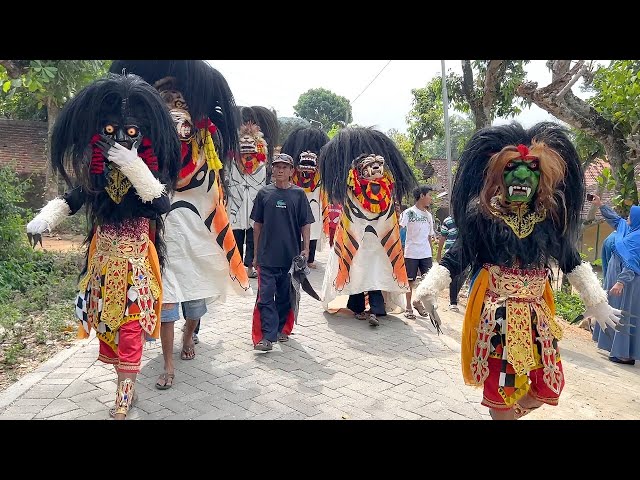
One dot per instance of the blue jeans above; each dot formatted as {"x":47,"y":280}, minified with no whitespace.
{"x":191,"y":309}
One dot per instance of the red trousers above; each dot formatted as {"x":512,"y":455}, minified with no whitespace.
{"x":129,"y":351}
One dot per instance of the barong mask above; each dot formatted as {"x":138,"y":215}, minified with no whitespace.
{"x":367,"y":164}
{"x":121,"y":121}
{"x":370,"y":167}
{"x":178,"y":108}
{"x":127,"y":135}
{"x":521,"y":176}
{"x":253,"y":148}
{"x":304,"y":145}
{"x":371,"y":185}
{"x":308,"y":164}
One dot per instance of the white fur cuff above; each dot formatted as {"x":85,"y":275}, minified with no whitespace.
{"x":436,"y":279}
{"x":147,"y":186}
{"x":54,"y":212}
{"x":586,"y":282}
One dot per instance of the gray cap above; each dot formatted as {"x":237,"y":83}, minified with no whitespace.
{"x":282,"y":158}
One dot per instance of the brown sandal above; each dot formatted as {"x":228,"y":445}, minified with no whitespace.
{"x":168,"y":381}
{"x":409,"y":314}
{"x":188,"y":353}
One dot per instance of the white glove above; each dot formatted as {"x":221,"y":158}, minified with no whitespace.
{"x":604,"y":314}
{"x":37,"y":226}
{"x":116,"y":153}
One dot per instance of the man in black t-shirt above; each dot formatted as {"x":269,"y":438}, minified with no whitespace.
{"x":281,"y":214}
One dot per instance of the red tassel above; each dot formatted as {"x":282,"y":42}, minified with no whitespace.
{"x":185,"y":150}
{"x":147,"y":154}
{"x":97,"y":157}
{"x":187,"y":169}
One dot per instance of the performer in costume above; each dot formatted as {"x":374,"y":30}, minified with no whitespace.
{"x":245,"y":176}
{"x":118,"y":135}
{"x":303,"y":144}
{"x":363,"y":170}
{"x":517,"y":199}
{"x":203,"y":261}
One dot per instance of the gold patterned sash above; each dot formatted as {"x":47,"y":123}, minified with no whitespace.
{"x":121,"y":251}
{"x":521,"y":292}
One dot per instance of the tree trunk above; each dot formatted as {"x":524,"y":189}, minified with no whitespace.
{"x":563,"y":104}
{"x":475,"y":104}
{"x":482,"y":105}
{"x":51,"y":178}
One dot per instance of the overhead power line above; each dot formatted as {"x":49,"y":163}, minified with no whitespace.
{"x":365,"y":88}
{"x":374,"y":79}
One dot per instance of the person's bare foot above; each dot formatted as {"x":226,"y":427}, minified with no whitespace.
{"x":165,"y":381}
{"x":188,"y":348}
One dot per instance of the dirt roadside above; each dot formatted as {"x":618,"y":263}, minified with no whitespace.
{"x":595,"y":388}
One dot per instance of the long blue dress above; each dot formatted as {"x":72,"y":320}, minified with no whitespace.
{"x":616,"y":343}
{"x":607,"y":251}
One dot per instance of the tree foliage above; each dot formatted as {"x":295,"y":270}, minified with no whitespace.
{"x":426,"y":118}
{"x":487,"y":89}
{"x":37,"y":89}
{"x":286,"y":126}
{"x":405,"y":145}
{"x":610,"y":116}
{"x":48,"y":83}
{"x":588,"y":147}
{"x":322,"y":105}
{"x":460,"y":131}
{"x":618,"y":92}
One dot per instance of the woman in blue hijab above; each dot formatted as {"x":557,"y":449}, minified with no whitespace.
{"x":622,"y":281}
{"x":607,"y":250}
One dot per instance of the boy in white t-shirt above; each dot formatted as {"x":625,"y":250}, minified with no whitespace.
{"x":417,"y":248}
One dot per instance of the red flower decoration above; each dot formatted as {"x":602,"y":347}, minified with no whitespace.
{"x":524,"y":153}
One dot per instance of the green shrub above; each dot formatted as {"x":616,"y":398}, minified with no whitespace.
{"x":12,"y":220}
{"x":568,"y":305}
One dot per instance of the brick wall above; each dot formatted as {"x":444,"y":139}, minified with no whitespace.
{"x":25,"y":143}
{"x":23,"y":146}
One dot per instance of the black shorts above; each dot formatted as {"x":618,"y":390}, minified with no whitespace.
{"x":412,"y":264}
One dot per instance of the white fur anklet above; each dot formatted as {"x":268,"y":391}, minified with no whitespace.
{"x":586,"y":282}
{"x":437,"y":278}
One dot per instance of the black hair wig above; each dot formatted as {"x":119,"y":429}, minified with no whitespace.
{"x":556,"y":236}
{"x":205,"y":90}
{"x":336,"y":159}
{"x":125,"y":99}
{"x":302,"y":139}
{"x":267,"y":120}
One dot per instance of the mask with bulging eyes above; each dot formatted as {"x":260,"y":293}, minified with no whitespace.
{"x":370,"y":166}
{"x":308,"y":162}
{"x":127,"y":135}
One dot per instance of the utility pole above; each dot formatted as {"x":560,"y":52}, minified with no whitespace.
{"x":447,"y":136}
